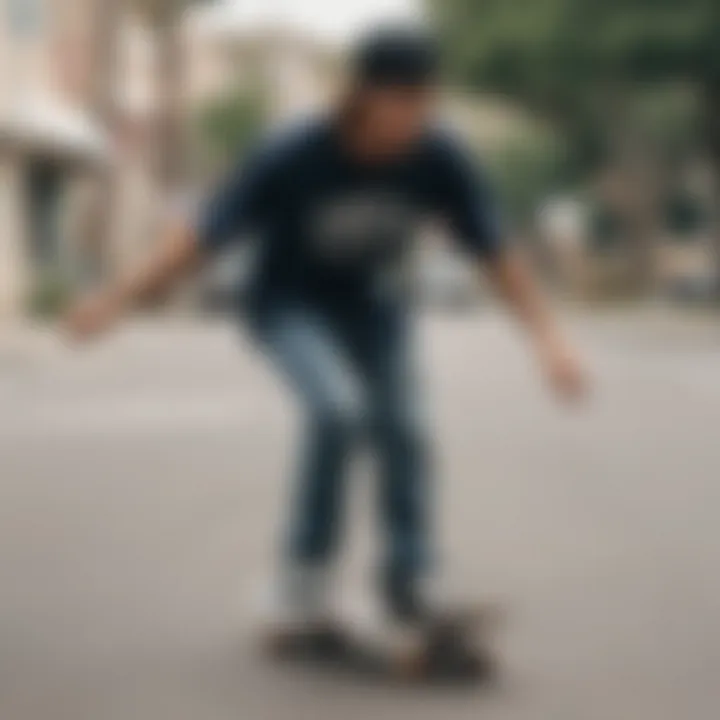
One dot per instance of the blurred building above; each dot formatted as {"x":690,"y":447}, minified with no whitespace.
{"x":260,"y":75}
{"x":48,"y":138}
{"x":297,"y":70}
{"x":52,"y":138}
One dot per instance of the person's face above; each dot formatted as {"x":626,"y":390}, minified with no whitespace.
{"x":394,"y":117}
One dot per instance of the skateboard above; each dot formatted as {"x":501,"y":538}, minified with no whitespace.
{"x":453,"y":648}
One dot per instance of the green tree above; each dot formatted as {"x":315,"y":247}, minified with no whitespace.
{"x":228,"y":125}
{"x":584,"y":64}
{"x":530,"y":50}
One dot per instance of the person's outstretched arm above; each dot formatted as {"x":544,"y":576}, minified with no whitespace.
{"x":467,"y":200}
{"x":238,"y":206}
{"x":519,"y":289}
{"x":178,"y":254}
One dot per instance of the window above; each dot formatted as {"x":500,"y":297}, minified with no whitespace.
{"x":24,"y":16}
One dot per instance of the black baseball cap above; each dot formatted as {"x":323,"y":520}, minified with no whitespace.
{"x":397,"y":56}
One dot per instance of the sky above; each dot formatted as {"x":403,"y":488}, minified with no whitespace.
{"x":335,"y":20}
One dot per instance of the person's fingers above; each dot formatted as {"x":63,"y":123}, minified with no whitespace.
{"x":572,"y":380}
{"x":87,"y":319}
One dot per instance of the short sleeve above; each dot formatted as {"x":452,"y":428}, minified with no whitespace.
{"x":465,"y":199}
{"x":240,"y":204}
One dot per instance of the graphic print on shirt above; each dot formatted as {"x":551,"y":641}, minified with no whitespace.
{"x":362,"y":226}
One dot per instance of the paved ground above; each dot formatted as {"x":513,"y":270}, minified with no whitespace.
{"x":141,"y":485}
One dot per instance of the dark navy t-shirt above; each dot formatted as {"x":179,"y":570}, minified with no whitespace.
{"x":334,"y":230}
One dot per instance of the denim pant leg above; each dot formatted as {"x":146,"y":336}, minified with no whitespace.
{"x":384,"y":352}
{"x":309,"y":355}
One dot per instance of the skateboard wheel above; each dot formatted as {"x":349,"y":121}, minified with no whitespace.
{"x":412,"y":665}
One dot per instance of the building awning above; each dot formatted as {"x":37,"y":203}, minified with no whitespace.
{"x":47,"y":127}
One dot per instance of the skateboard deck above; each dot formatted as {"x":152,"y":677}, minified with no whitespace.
{"x":456,"y":648}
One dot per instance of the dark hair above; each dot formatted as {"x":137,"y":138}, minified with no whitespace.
{"x":403,"y":56}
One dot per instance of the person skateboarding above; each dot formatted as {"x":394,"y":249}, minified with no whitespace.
{"x":334,"y":204}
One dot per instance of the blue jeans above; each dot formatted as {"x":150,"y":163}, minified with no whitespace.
{"x":353,"y":374}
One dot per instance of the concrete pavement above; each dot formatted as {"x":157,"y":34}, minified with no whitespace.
{"x":142,"y":483}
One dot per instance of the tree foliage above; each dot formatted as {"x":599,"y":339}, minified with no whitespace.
{"x":229,"y":125}
{"x":612,"y":76}
{"x":576,"y":61}
{"x":550,"y":48}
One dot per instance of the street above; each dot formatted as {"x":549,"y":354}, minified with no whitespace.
{"x":143,"y":481}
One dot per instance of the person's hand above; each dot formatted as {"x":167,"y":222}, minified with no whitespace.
{"x":563,"y":369}
{"x":92,"y":315}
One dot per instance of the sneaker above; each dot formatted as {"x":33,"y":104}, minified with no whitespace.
{"x":300,"y":594}
{"x":299,"y":620}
